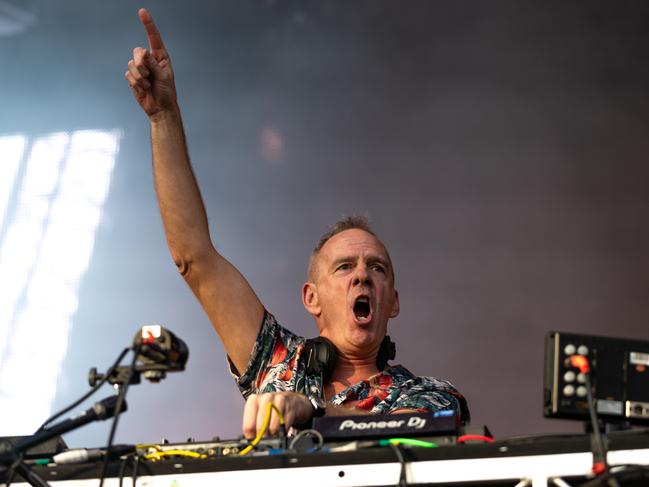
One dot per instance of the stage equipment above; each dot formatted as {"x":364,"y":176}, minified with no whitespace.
{"x":159,"y":352}
{"x":104,"y":409}
{"x":619,"y":376}
{"x":157,"y":349}
{"x":12,"y":455}
{"x":541,"y":461}
{"x":158,"y":346}
{"x":387,"y":425}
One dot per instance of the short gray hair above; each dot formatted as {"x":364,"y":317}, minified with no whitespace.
{"x":348,"y":223}
{"x":357,"y":222}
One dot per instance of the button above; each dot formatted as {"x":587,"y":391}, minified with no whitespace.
{"x":569,"y":349}
{"x":581,"y":391}
{"x":582,"y":350}
{"x":569,"y":376}
{"x":569,"y":390}
{"x":581,"y":378}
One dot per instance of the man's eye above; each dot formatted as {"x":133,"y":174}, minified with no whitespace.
{"x":344,"y":267}
{"x":378,"y":267}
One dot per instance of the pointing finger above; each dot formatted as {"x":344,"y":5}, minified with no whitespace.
{"x":155,"y":39}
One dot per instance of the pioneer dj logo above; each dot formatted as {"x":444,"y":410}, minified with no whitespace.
{"x":413,"y":422}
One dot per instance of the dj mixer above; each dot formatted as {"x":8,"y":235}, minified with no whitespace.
{"x":602,"y":381}
{"x":441,"y":453}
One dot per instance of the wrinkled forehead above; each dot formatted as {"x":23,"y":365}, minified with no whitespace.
{"x":352,"y":243}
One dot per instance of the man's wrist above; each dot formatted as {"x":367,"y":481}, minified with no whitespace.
{"x":164,"y":116}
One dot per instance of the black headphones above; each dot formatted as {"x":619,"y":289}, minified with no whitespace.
{"x":321,"y":356}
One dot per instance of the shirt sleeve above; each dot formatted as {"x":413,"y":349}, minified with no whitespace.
{"x":272,"y":364}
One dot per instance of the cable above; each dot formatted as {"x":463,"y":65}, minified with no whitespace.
{"x":118,"y":407}
{"x":407,"y":441}
{"x":600,"y":464}
{"x":403,"y":481}
{"x":94,"y":389}
{"x":559,"y":482}
{"x":159,"y":455}
{"x":465,"y":438}
{"x":136,"y":466}
{"x":122,"y":470}
{"x":144,"y":446}
{"x":11,"y":471}
{"x":304,"y":433}
{"x":269,"y":410}
{"x":351,"y":446}
{"x":29,"y":475}
{"x":624,"y":472}
{"x":629,"y":466}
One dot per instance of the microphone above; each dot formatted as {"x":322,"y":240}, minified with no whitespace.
{"x":104,"y":409}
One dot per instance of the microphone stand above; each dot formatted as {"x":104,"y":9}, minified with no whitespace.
{"x":159,"y":349}
{"x":11,"y":456}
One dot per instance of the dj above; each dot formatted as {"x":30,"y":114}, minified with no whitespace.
{"x":350,"y":290}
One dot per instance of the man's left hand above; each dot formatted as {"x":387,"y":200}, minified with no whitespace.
{"x":296,"y":409}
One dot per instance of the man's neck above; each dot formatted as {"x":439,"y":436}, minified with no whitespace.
{"x":349,"y":371}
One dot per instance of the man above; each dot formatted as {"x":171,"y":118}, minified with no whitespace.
{"x":350,"y":290}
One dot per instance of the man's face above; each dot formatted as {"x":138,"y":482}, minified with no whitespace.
{"x":353,"y":292}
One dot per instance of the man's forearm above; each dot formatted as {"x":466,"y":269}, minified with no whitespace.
{"x":181,"y":206}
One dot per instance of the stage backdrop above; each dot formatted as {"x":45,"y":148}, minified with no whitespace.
{"x":500,"y":149}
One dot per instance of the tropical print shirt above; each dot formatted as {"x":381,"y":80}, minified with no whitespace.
{"x":276,"y":364}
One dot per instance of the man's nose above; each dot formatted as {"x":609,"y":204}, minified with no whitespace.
{"x":361,"y":276}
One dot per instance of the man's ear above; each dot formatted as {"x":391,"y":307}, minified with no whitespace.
{"x":395,"y":305}
{"x":310,"y":299}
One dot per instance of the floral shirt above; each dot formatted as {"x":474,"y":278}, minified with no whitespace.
{"x":276,"y":364}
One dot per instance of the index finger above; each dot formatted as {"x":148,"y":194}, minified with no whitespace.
{"x":152,"y":33}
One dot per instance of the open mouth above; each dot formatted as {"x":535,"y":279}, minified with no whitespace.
{"x":362,"y":309}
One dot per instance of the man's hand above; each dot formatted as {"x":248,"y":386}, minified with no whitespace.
{"x":149,"y":73}
{"x":296,"y":409}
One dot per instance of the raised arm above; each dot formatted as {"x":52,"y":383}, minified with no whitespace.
{"x":230,"y":303}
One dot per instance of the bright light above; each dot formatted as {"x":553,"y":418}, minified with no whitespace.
{"x":11,"y":148}
{"x":45,"y":253}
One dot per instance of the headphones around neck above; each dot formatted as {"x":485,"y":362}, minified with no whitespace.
{"x":321,"y":356}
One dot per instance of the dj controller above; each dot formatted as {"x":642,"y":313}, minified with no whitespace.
{"x":603,"y":382}
{"x":350,"y":451}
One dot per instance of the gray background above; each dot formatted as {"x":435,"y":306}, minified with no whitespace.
{"x":500,"y":149}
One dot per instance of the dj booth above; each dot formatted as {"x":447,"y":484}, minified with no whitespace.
{"x":600,"y":381}
{"x":532,"y":461}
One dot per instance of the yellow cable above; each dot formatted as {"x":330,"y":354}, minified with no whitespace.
{"x":144,"y":446}
{"x":269,"y":410}
{"x":159,"y":455}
